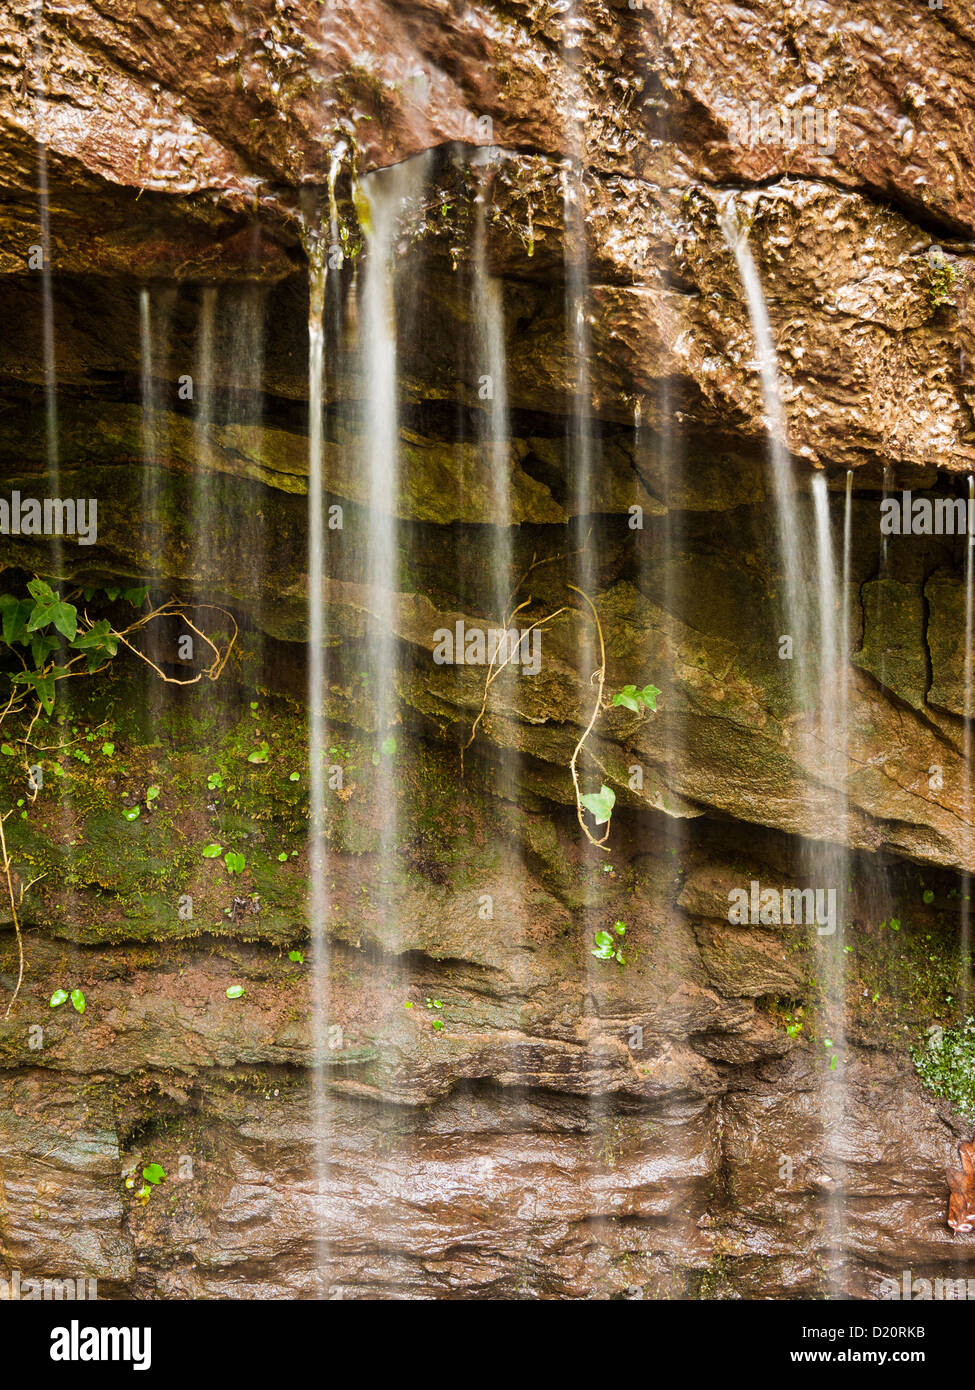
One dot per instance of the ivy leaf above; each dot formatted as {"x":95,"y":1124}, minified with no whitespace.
{"x":136,"y":597}
{"x":98,"y":643}
{"x":649,"y":694}
{"x":41,"y":648}
{"x":15,"y":613}
{"x":627,"y":697}
{"x":40,"y":591}
{"x":600,"y":804}
{"x":54,"y":610}
{"x":42,"y":684}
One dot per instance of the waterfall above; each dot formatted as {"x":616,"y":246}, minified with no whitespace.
{"x":318,"y":895}
{"x":812,"y":610}
{"x":966,"y":884}
{"x":495,"y":428}
{"x":385,"y":192}
{"x":787,"y":520}
{"x":47,"y":286}
{"x":154,"y":320}
{"x":205,"y":522}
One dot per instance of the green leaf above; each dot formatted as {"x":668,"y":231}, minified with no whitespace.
{"x":600,"y":804}
{"x":136,"y":597}
{"x":132,"y":812}
{"x":40,"y":591}
{"x":388,"y":746}
{"x":41,"y":648}
{"x":928,"y":895}
{"x":235,"y":992}
{"x":437,"y":1025}
{"x":283,"y":857}
{"x":297,"y":957}
{"x":627,"y":697}
{"x":619,"y":928}
{"x":154,"y":1173}
{"x":98,"y":642}
{"x":15,"y":614}
{"x":151,"y":794}
{"x":295,"y":777}
{"x":235,"y":862}
{"x":649,"y":694}
{"x":7,"y":749}
{"x":58,"y":998}
{"x":108,"y":749}
{"x":259,"y":755}
{"x":78,"y":1000}
{"x":212,"y":851}
{"x":42,"y":684}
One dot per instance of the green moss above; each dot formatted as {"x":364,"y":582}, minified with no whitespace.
{"x":945,"y":1062}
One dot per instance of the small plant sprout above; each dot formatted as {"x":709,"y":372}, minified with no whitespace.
{"x":259,"y":755}
{"x":297,"y":957}
{"x":152,"y":794}
{"x":132,"y":812}
{"x":609,"y":946}
{"x":59,"y":997}
{"x":235,"y":862}
{"x":212,"y":851}
{"x":78,"y":1000}
{"x":214,"y":781}
{"x":600,"y":804}
{"x":636,"y":700}
{"x":235,"y":992}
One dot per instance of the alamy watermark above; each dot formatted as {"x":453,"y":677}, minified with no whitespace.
{"x":908,"y":515}
{"x":496,"y":646}
{"x":926,"y":1290}
{"x":52,"y":516}
{"x":773,"y":907}
{"x":17,"y":1289}
{"x":785,"y":127}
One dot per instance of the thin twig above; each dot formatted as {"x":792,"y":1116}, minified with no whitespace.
{"x":601,"y":673}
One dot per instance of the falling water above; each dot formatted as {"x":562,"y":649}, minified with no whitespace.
{"x":829,"y":860}
{"x":47,"y":287}
{"x":147,"y":398}
{"x":205,"y":530}
{"x":809,"y":611}
{"x":495,"y":430}
{"x":154,"y":316}
{"x":318,"y":897}
{"x":787,"y":519}
{"x":386,"y":191}
{"x":966,"y":886}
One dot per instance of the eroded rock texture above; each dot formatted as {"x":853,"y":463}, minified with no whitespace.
{"x":575,"y":1129}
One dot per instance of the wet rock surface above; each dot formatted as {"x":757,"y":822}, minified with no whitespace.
{"x":575,"y":1129}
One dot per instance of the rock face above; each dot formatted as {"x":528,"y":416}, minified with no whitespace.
{"x":704,"y":1121}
